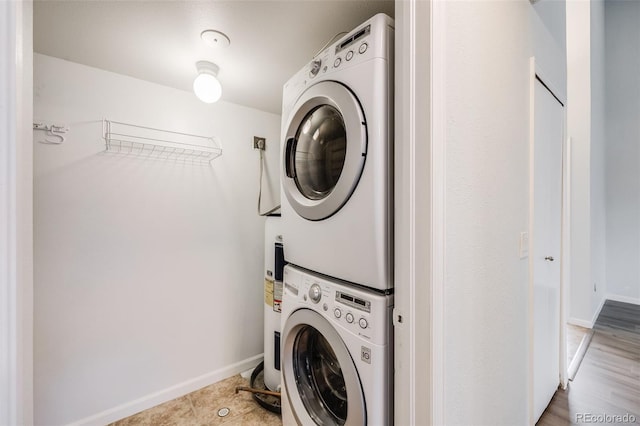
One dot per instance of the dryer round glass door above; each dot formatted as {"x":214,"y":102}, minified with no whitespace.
{"x":325,"y":150}
{"x":321,"y":146}
{"x":320,"y":377}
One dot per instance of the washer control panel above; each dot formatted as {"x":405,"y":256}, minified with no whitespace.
{"x":360,"y":311}
{"x":353,"y":301}
{"x":355,"y":309}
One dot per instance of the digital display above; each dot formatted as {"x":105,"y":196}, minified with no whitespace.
{"x":354,"y":302}
{"x":346,"y":297}
{"x":350,"y":40}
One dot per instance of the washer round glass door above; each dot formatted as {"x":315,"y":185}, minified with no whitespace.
{"x":325,"y":149}
{"x":321,"y":380}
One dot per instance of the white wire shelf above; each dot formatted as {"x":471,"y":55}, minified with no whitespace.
{"x":157,"y":144}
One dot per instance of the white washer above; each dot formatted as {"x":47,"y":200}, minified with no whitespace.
{"x":336,"y":352}
{"x":337,"y":156}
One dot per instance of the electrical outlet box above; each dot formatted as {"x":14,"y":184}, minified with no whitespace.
{"x":259,"y":143}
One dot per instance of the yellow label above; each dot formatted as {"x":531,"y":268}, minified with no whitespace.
{"x":268,"y":292}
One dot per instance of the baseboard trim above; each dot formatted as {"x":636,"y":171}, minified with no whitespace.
{"x":580,"y":322}
{"x":151,"y":400}
{"x":624,"y":299}
{"x":597,"y":313}
{"x":586,"y":323}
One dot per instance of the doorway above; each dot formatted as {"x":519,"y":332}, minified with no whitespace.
{"x":546,"y":242}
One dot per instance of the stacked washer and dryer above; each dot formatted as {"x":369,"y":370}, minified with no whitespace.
{"x":337,"y":226}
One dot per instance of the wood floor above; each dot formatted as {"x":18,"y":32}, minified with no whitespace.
{"x":606,"y":389}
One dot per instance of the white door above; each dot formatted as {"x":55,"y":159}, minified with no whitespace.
{"x":547,"y":221}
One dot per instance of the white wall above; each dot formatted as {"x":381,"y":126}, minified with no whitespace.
{"x":548,"y":29}
{"x":579,"y":130}
{"x":585,"y":126}
{"x":148,"y":275}
{"x":553,"y":14}
{"x":488,"y":45}
{"x":597,"y":157}
{"x":623,"y":149}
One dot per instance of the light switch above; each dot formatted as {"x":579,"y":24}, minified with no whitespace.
{"x":524,"y":245}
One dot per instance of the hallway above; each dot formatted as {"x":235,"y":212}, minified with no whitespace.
{"x":606,"y":388}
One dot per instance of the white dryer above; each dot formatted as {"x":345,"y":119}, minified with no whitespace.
{"x":336,"y":352}
{"x":337,"y":157}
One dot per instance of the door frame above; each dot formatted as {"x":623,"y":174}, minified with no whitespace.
{"x":16,"y":213}
{"x":537,"y":73}
{"x":419,"y":211}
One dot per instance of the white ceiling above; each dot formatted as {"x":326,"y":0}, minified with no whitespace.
{"x":159,"y":41}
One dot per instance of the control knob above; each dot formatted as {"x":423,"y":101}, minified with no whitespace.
{"x":315,"y":293}
{"x":315,"y":67}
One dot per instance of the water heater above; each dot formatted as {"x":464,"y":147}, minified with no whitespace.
{"x":273,"y":266}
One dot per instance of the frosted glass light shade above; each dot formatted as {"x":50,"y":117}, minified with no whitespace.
{"x":207,"y":88}
{"x":206,"y":85}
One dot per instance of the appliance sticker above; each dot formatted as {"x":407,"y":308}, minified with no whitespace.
{"x":277,"y":296}
{"x":268,"y":292}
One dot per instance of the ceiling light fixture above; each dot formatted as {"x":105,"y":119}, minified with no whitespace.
{"x":215,"y":38}
{"x":206,"y":85}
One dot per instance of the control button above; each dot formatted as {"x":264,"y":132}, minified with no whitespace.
{"x":315,"y":293}
{"x":315,"y":68}
{"x":363,"y":48}
{"x":337,"y":62}
{"x":349,"y":317}
{"x":363,"y":323}
{"x":325,"y":307}
{"x":337,"y":312}
{"x":349,"y":55}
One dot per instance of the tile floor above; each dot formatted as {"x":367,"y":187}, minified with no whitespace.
{"x":200,"y":408}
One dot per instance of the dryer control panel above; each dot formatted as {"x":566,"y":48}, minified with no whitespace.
{"x":353,"y":49}
{"x":371,"y":40}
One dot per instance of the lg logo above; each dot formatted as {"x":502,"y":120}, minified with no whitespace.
{"x":365,"y":354}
